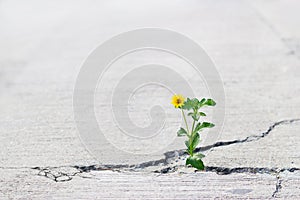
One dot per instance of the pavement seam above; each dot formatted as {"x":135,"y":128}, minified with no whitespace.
{"x":53,"y":173}
{"x":177,"y":153}
{"x":278,"y":185}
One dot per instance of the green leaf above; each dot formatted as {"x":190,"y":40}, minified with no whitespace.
{"x":191,"y":104}
{"x":207,"y":125}
{"x":181,"y":132}
{"x":202,"y":101}
{"x":210,"y":102}
{"x":195,"y":162}
{"x":195,"y":102}
{"x":198,"y":127}
{"x":195,"y":141}
{"x":188,"y":104}
{"x":202,"y":114}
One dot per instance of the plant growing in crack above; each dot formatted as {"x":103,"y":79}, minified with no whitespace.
{"x":193,"y":106}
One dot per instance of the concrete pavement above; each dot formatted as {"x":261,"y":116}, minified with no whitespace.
{"x":255,"y":47}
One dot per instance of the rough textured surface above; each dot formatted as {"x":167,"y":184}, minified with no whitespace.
{"x":255,"y":46}
{"x":269,"y":150}
{"x":106,"y":185}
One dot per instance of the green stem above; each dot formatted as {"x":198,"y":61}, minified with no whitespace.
{"x":195,"y":111}
{"x":192,"y":133}
{"x":187,"y":127}
{"x":191,"y":150}
{"x":193,"y":126}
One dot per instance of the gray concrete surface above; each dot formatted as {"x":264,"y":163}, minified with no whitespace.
{"x":255,"y":47}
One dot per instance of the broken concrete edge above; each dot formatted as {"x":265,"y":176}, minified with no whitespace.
{"x":177,"y":153}
{"x":54,"y":173}
{"x":59,"y":176}
{"x":169,"y":156}
{"x":278,"y":185}
{"x":172,"y":155}
{"x":68,"y":172}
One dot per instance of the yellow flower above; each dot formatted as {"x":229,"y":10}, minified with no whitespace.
{"x":177,"y":100}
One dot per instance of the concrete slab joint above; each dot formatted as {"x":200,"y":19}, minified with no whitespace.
{"x":164,"y":166}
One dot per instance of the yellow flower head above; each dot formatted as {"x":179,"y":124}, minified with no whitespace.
{"x":177,"y":100}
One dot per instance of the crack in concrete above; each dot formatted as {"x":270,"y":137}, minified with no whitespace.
{"x":227,"y":171}
{"x":177,"y":153}
{"x":278,"y":185}
{"x":251,"y":170}
{"x":249,"y":138}
{"x":58,"y":176}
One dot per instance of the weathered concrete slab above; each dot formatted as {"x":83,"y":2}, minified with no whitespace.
{"x":288,"y":185}
{"x":24,"y":183}
{"x":255,"y":46}
{"x":37,"y":95}
{"x":278,"y":149}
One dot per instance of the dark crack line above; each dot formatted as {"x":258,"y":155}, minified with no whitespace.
{"x":58,"y":176}
{"x":177,"y":153}
{"x":278,"y":185}
{"x":251,"y":170}
{"x":173,"y":154}
{"x":249,"y":138}
{"x":227,"y":171}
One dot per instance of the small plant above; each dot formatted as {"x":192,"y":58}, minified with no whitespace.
{"x":193,"y":106}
